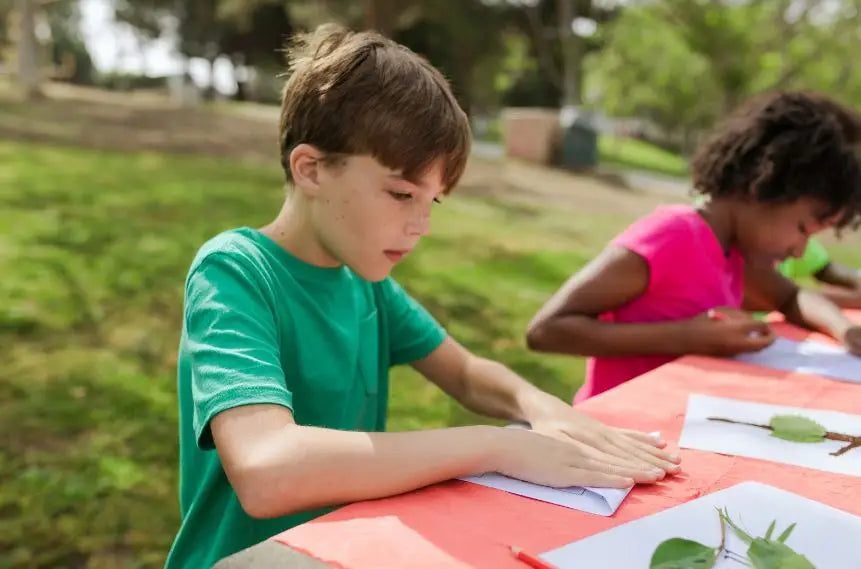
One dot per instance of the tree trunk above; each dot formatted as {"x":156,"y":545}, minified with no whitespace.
{"x":28,"y":55}
{"x":380,"y":16}
{"x":209,"y":93}
{"x":572,"y":55}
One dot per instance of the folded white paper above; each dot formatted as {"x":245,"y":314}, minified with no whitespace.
{"x":600,"y":501}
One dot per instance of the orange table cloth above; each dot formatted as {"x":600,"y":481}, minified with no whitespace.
{"x":459,"y":525}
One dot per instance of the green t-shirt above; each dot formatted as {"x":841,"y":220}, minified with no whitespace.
{"x":814,"y":259}
{"x":262,"y":326}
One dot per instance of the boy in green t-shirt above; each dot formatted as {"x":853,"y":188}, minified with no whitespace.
{"x":844,"y":288}
{"x":289,"y":330}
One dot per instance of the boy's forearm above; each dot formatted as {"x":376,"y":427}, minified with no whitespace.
{"x":586,"y":336}
{"x":493,"y":390}
{"x":299,"y":468}
{"x":811,"y":310}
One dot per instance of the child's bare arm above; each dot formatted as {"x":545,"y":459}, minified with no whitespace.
{"x":277,"y":467}
{"x":568,"y":323}
{"x":767,"y":289}
{"x":840,"y":276}
{"x":842,"y":297}
{"x":490,"y":388}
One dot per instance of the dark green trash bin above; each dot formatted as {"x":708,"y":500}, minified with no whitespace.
{"x":579,"y":147}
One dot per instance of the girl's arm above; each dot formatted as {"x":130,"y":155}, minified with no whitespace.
{"x":568,"y":323}
{"x":767,"y":289}
{"x":839,"y":275}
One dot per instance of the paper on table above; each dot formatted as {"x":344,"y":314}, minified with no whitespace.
{"x":600,"y":501}
{"x":828,"y":537}
{"x":807,"y":357}
{"x":700,"y":433}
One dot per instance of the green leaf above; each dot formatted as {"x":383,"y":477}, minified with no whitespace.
{"x":797,"y":429}
{"x":785,"y":535}
{"x":679,"y":553}
{"x":740,"y":532}
{"x":765,"y":554}
{"x":770,"y":530}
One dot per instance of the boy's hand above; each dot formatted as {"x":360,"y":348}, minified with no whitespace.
{"x":727,"y":332}
{"x":633,"y":449}
{"x":636,"y":450}
{"x":547,"y":460}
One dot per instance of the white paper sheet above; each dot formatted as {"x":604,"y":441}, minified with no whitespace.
{"x":807,"y":357}
{"x":828,"y":537}
{"x":600,"y":501}
{"x":700,"y":433}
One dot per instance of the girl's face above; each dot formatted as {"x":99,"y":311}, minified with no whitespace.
{"x":770,"y":233}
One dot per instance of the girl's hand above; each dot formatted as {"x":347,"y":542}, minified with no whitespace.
{"x":728,"y":332}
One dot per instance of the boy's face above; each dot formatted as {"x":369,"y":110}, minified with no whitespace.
{"x":368,"y":217}
{"x":768,"y":234}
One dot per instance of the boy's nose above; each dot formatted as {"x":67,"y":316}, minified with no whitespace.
{"x":419,"y":225}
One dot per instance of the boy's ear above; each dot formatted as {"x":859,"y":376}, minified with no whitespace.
{"x":305,"y":164}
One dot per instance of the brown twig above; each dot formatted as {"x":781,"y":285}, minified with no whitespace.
{"x":854,"y":442}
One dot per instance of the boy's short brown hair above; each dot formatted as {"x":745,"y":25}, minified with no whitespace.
{"x":361,"y":93}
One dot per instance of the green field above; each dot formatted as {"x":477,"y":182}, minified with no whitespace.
{"x":94,"y":246}
{"x":640,"y":155}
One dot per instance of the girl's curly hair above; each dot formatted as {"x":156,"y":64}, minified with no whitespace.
{"x":779,"y":147}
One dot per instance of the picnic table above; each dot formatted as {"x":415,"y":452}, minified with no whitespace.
{"x":459,"y":525}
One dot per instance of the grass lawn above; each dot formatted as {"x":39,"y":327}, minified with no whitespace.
{"x":638,"y":154}
{"x":94,"y":246}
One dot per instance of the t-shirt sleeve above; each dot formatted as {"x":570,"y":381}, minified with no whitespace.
{"x":231,"y":342}
{"x":413,"y":332}
{"x":664,"y":241}
{"x":814,"y":259}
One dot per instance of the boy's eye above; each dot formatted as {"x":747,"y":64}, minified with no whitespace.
{"x":401,"y":196}
{"x":437,"y":200}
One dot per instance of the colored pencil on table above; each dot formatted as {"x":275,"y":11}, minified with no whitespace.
{"x":530,"y":560}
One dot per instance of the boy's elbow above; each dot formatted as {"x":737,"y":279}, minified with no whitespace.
{"x":260,"y":499}
{"x":256,"y":506}
{"x":251,"y":493}
{"x":263,"y":494}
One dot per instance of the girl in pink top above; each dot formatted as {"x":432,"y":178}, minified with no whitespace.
{"x":780,"y":169}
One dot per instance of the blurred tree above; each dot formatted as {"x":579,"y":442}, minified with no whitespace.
{"x":249,"y":32}
{"x":69,"y":54}
{"x":27,"y":49}
{"x":766,"y":44}
{"x":5,"y":10}
{"x":458,"y":37}
{"x":148,"y":20}
{"x":682,"y":63}
{"x":647,"y":71}
{"x":561,"y":34}
{"x":255,"y":38}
